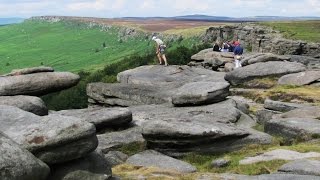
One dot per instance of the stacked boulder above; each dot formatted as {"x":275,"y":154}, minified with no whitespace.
{"x":290,"y":69}
{"x":262,"y":39}
{"x":180,"y":109}
{"x":61,"y":145}
{"x":20,"y":87}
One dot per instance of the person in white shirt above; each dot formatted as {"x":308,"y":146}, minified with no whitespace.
{"x":160,"y":50}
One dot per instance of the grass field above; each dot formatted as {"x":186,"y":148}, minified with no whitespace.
{"x":72,"y":45}
{"x":300,"y":30}
{"x":64,"y":46}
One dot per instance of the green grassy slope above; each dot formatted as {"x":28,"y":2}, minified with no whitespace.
{"x":299,"y":30}
{"x":65,"y":46}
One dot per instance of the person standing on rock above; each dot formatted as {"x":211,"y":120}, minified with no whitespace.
{"x":160,"y":48}
{"x":237,"y":52}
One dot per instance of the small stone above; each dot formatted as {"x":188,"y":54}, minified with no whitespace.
{"x":220,"y":163}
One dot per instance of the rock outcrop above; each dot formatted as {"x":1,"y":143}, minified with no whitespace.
{"x":294,"y":128}
{"x":53,"y":138}
{"x":300,"y":79}
{"x":37,"y":84}
{"x":264,"y":57}
{"x":17,"y":163}
{"x":279,"y":154}
{"x":262,"y":39}
{"x":159,"y":85}
{"x":32,"y":70}
{"x":205,"y":129}
{"x":101,"y":117}
{"x":303,"y":167}
{"x":113,"y":140}
{"x":260,"y":70}
{"x":155,"y":159}
{"x":31,"y":104}
{"x":210,"y":59}
{"x":282,"y":106}
{"x":198,"y":93}
{"x":303,"y":112}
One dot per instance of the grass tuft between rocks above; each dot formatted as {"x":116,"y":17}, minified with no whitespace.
{"x":132,"y":148}
{"x":299,"y":94}
{"x":203,"y":163}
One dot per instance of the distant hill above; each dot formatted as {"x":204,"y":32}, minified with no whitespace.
{"x":198,"y":17}
{"x":5,"y":21}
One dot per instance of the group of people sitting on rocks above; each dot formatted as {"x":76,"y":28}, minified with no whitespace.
{"x":234,"y":47}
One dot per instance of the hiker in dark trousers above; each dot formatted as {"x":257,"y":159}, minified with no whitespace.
{"x":160,"y":48}
{"x":237,"y":52}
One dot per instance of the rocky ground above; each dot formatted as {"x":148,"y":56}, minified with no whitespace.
{"x":175,"y":122}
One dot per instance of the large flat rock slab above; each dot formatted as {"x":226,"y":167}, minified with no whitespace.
{"x":160,"y":85}
{"x":303,"y":167}
{"x":310,"y":62}
{"x":17,"y":163}
{"x":300,"y":79}
{"x":101,"y":117}
{"x":160,"y":75}
{"x":260,"y":70}
{"x":264,"y":57}
{"x":119,"y":94}
{"x":31,"y":104}
{"x":294,"y":128}
{"x":152,"y":158}
{"x":279,"y":154}
{"x":198,"y":93}
{"x":282,"y":106}
{"x":205,"y":129}
{"x":304,"y":112}
{"x":53,"y":138}
{"x":37,"y":84}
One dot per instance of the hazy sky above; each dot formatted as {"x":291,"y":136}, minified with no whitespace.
{"x":123,"y":8}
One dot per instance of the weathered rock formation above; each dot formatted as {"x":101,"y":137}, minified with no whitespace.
{"x":303,"y":167}
{"x":17,"y":163}
{"x":262,"y":39}
{"x":279,"y":154}
{"x":207,"y":129}
{"x":294,"y":128}
{"x":31,"y":104}
{"x":32,"y":70}
{"x":155,"y":159}
{"x":224,"y":61}
{"x":37,"y":84}
{"x":282,"y":106}
{"x":113,"y":140}
{"x":259,"y":70}
{"x":101,"y":117}
{"x":299,"y":79}
{"x":53,"y":138}
{"x":157,"y":85}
